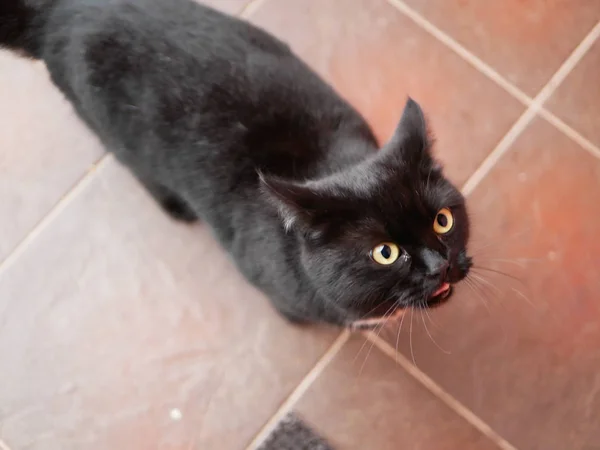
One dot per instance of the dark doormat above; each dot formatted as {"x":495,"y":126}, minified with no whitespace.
{"x":292,"y":433}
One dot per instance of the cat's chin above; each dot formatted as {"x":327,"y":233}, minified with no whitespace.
{"x":439,"y":297}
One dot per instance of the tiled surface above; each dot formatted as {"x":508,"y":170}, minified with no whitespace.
{"x":44,"y":149}
{"x":576,"y":101}
{"x":112,"y":319}
{"x":363,"y":400}
{"x":534,"y":355}
{"x":525,"y":41}
{"x":121,"y":330}
{"x":376,"y":57}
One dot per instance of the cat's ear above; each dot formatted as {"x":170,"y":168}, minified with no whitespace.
{"x":299,"y":205}
{"x":411,"y":139}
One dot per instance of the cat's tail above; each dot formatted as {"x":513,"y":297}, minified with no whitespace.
{"x":22,"y":25}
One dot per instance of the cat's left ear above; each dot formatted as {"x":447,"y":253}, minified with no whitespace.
{"x":411,"y":139}
{"x":300,"y":206}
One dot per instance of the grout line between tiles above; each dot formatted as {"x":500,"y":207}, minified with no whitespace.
{"x":492,"y":74}
{"x":300,"y":390}
{"x":567,"y":66}
{"x":501,"y":148}
{"x":462,"y":51}
{"x":570,"y":132}
{"x":440,"y":393}
{"x":54,"y":211}
{"x":532,"y":111}
{"x":250,"y":8}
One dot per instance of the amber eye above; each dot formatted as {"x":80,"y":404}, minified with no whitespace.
{"x":385,"y":253}
{"x":444,"y":221}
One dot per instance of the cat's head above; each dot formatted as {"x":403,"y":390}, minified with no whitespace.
{"x":384,"y":235}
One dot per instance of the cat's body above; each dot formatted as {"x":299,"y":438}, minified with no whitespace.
{"x":221,"y":122}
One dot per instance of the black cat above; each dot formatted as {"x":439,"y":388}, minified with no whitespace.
{"x":221,"y":122}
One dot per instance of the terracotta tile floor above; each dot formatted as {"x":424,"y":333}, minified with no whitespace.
{"x":129,"y":331}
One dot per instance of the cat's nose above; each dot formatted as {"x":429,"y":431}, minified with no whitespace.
{"x":436,"y":265}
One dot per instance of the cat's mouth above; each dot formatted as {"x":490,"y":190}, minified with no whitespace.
{"x":439,"y":296}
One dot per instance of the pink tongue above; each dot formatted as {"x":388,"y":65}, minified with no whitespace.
{"x":443,"y":288}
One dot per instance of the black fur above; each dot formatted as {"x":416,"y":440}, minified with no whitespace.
{"x":220,"y":121}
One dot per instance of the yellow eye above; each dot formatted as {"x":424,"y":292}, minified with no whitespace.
{"x":385,"y":253}
{"x":444,"y":221}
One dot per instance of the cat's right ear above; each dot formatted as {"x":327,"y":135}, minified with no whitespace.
{"x":297,"y":204}
{"x":411,"y":138}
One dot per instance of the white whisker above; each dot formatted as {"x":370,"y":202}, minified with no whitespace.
{"x":469,"y":282}
{"x":483,"y":280}
{"x":398,"y":334}
{"x":431,"y":337}
{"x":412,"y":354}
{"x":385,"y":318}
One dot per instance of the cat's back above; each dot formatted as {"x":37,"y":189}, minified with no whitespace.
{"x":130,"y":65}
{"x":183,"y":24}
{"x":166,"y":82}
{"x":171,"y":39}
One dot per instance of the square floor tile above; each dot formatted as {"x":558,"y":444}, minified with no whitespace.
{"x":122,"y":329}
{"x":577,"y":100}
{"x":44,"y":148}
{"x":379,"y":406}
{"x":521,"y":350}
{"x":525,"y":41}
{"x":375,"y":57}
